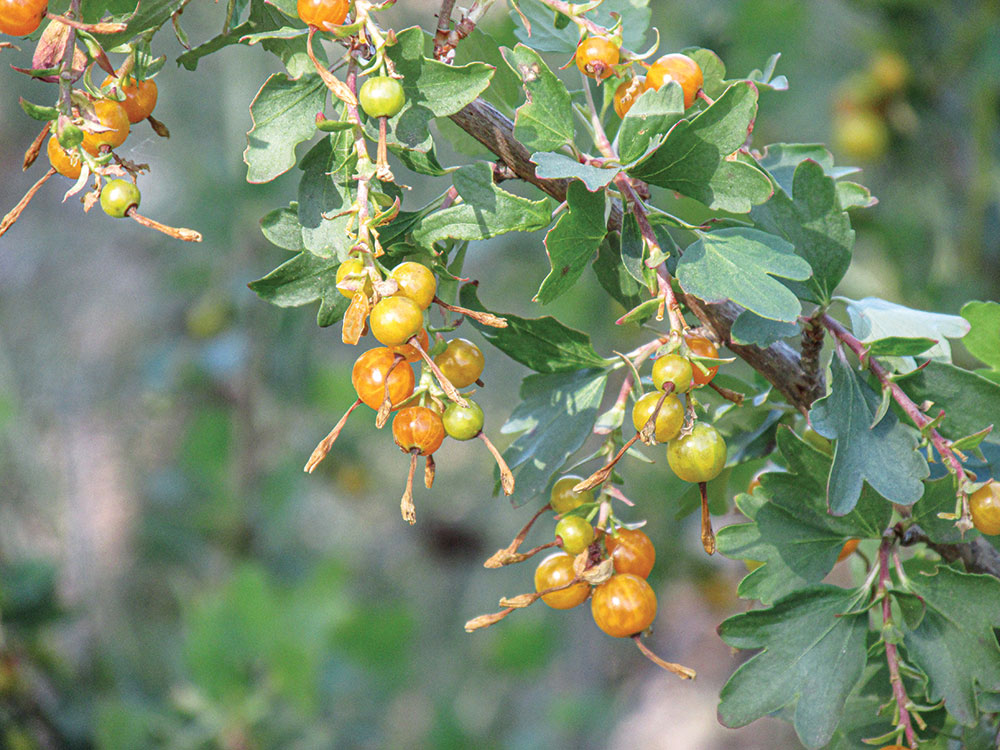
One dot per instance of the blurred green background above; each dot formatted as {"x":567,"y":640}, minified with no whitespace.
{"x":169,"y":577}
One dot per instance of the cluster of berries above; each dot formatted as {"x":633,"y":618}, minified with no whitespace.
{"x":599,"y":57}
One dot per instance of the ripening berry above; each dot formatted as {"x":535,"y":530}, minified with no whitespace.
{"x":323,"y":14}
{"x":632,"y":551}
{"x":861,"y":135}
{"x":463,"y":423}
{"x":353,"y":269}
{"x":702,"y":347}
{"x":382,"y":96}
{"x":673,"y":368}
{"x":118,"y":196}
{"x":415,"y":281}
{"x":557,"y":570}
{"x":679,"y":68}
{"x":21,"y":17}
{"x":596,"y":56}
{"x":111,"y":115}
{"x":461,"y":362}
{"x":669,"y":419}
{"x":417,"y":429}
{"x":698,"y":457}
{"x":626,"y":94}
{"x":371,"y":371}
{"x":67,"y":163}
{"x":395,"y":320}
{"x":848,"y":549}
{"x":410,"y":351}
{"x":140,"y":97}
{"x":564,"y":499}
{"x":576,"y":534}
{"x":985,"y":506}
{"x":623,"y":605}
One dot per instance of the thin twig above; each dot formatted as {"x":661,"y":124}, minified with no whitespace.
{"x":15,"y":213}
{"x":891,"y":653}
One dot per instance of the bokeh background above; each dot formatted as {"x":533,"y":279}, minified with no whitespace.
{"x":169,"y":577}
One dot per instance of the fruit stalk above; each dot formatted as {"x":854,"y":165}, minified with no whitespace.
{"x":891,"y":653}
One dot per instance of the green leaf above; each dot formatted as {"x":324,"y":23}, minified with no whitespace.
{"x":38,"y":112}
{"x":750,"y":328}
{"x":649,"y":120}
{"x":487,"y":211}
{"x":983,"y":338}
{"x":149,"y":14}
{"x":574,"y":239}
{"x":613,"y":276}
{"x":692,"y":158}
{"x":324,"y":196}
{"x":545,"y":36}
{"x":885,"y":455}
{"x":559,"y":166}
{"x":956,"y":645}
{"x":545,"y":121}
{"x":432,"y":88}
{"x":808,"y":214}
{"x":543,"y":344}
{"x":897,"y":346}
{"x":970,"y":401}
{"x":555,"y":417}
{"x":281,"y":227}
{"x":304,"y":279}
{"x":782,"y":159}
{"x":813,"y":653}
{"x":737,"y":264}
{"x":504,"y":90}
{"x":939,"y":497}
{"x":873,"y":318}
{"x":284,"y":115}
{"x":792,"y":533}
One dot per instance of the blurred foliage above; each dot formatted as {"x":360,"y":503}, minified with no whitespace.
{"x":168,"y":575}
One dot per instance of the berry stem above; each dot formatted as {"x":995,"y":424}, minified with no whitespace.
{"x":450,"y":390}
{"x":429,"y":470}
{"x":730,"y":395}
{"x":484,"y":621}
{"x":385,"y":407}
{"x":604,"y":472}
{"x":15,"y":213}
{"x":891,"y":653}
{"x":919,"y":419}
{"x":326,"y":443}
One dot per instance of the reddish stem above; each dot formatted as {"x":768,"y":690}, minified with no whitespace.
{"x":891,"y":653}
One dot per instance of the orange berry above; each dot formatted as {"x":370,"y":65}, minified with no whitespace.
{"x":679,"y":68}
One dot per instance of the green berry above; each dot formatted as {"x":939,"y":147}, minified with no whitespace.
{"x":118,"y":196}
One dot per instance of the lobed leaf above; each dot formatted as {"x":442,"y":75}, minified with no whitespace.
{"x":304,"y":279}
{"x":284,"y":115}
{"x":885,"y":454}
{"x":486,"y":211}
{"x":543,"y":344}
{"x":812,"y":654}
{"x":557,"y":413}
{"x":545,"y":121}
{"x":572,"y":242}
{"x":692,"y":158}
{"x":738,"y":264}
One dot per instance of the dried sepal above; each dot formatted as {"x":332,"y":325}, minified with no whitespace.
{"x":354,"y":319}
{"x":506,"y":556}
{"x":340,"y":89}
{"x":506,"y":475}
{"x":730,"y":395}
{"x":487,"y":319}
{"x":321,"y":450}
{"x":685,"y":673}
{"x":429,"y":468}
{"x":158,"y":127}
{"x":648,"y":432}
{"x":35,"y":148}
{"x":178,"y":233}
{"x":604,"y":472}
{"x":449,"y":389}
{"x":15,"y":213}
{"x":707,"y":535}
{"x":406,"y":506}
{"x":520,"y":601}
{"x":385,"y":408}
{"x":484,"y":621}
{"x":599,"y":573}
